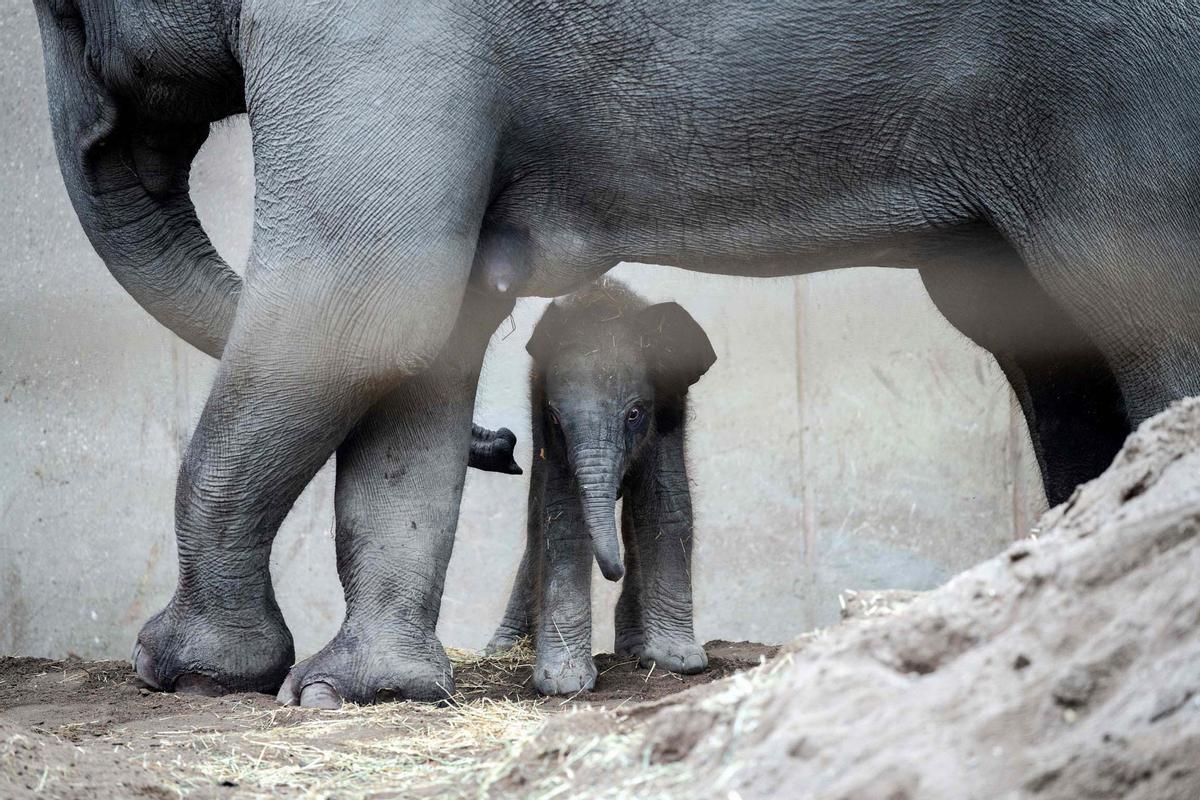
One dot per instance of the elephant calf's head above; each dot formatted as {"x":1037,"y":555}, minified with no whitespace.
{"x":611,"y":374}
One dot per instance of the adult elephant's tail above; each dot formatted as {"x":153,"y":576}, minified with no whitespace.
{"x":492,"y":451}
{"x":129,"y":187}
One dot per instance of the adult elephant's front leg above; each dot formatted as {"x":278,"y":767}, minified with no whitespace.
{"x":371,"y":175}
{"x":399,"y":481}
{"x":275,"y":414}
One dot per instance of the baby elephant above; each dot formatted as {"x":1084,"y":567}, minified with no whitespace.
{"x":608,"y":393}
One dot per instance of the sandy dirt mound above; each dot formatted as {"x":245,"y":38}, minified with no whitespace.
{"x":1068,"y":667}
{"x":78,"y":729}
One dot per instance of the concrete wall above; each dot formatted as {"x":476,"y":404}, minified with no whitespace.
{"x":846,"y":437}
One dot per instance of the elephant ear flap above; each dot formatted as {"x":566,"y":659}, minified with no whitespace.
{"x":547,"y":335}
{"x":678,"y":347}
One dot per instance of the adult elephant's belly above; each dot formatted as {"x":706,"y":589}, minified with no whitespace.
{"x":524,"y":255}
{"x":550,"y":242}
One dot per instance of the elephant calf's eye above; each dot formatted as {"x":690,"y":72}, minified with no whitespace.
{"x":554,"y":418}
{"x":635,"y":417}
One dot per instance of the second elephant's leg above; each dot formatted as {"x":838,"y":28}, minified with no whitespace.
{"x":660,"y":507}
{"x":399,"y":481}
{"x":520,"y":611}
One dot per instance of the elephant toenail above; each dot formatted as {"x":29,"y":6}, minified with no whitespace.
{"x":143,"y":665}
{"x":195,"y":683}
{"x":320,"y":695}
{"x":288,"y":696}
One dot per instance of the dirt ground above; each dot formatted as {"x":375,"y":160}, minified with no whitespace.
{"x":1067,"y":667}
{"x":83,"y":729}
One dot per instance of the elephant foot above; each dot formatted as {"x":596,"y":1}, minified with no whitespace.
{"x":357,"y":668}
{"x":561,"y":672}
{"x":193,"y":653}
{"x":682,"y":656}
{"x":503,"y":640}
{"x":629,"y":644}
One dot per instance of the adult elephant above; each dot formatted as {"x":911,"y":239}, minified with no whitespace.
{"x":1038,"y":163}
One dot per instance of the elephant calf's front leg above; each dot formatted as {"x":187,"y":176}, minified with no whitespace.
{"x":630,"y":632}
{"x":564,"y":663}
{"x":660,"y":510}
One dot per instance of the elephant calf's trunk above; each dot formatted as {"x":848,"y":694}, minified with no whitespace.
{"x":599,"y":513}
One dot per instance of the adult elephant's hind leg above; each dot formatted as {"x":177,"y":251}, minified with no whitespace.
{"x":399,"y":481}
{"x":1067,"y":391}
{"x":1111,"y":246}
{"x":1130,"y":276}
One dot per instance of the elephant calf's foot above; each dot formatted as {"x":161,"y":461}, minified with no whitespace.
{"x":359,"y":668}
{"x":562,"y":672}
{"x":503,"y":640}
{"x":629,"y":643}
{"x":194,"y":653}
{"x":683,"y":656}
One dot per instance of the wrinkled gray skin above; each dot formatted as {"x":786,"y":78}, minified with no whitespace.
{"x":1039,"y":163}
{"x":608,"y":395}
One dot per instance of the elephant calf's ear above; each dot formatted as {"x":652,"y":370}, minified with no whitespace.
{"x":546,"y":336}
{"x":679,"y":350}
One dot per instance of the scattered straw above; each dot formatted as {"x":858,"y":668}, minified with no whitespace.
{"x":490,"y":740}
{"x":399,"y":749}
